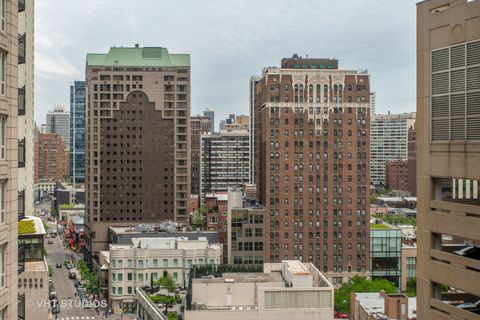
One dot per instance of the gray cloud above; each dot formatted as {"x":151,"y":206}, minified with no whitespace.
{"x":228,"y":42}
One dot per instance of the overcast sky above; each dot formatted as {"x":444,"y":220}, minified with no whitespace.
{"x":229,"y":41}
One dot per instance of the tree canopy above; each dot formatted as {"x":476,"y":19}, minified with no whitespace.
{"x":360,"y":284}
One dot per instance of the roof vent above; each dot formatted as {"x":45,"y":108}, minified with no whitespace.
{"x":136,"y":45}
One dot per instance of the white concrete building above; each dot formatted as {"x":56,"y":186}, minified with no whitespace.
{"x":388,"y":142}
{"x":146,"y":259}
{"x":287,"y":290}
{"x":58,"y":121}
{"x":25,"y":119}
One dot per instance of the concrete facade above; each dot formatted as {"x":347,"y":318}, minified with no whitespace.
{"x":388,"y":142}
{"x":224,"y":161}
{"x":58,"y":121}
{"x":9,"y":130}
{"x":198,"y":125}
{"x":312,"y":159}
{"x":286,"y":290}
{"x":26,"y":103}
{"x":138,"y":139}
{"x":448,"y":153}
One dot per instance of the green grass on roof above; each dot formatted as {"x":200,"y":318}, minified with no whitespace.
{"x":378,"y":226}
{"x":26,"y":227}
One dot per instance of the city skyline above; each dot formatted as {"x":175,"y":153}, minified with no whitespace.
{"x":237,"y":47}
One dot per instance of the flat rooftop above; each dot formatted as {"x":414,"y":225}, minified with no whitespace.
{"x":35,"y":266}
{"x":244,"y":278}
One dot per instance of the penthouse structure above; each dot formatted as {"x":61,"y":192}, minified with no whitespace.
{"x":311,"y":153}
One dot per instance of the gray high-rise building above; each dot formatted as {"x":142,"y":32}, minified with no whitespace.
{"x":58,"y":121}
{"x":77,"y":131}
{"x":211,"y":114}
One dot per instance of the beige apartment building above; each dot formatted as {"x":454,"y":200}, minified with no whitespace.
{"x":448,"y":149}
{"x":138,"y":145}
{"x":286,"y":290}
{"x":9,"y":299}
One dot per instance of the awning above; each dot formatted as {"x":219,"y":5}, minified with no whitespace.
{"x":81,"y":244}
{"x":71,"y":241}
{"x":67,"y":232}
{"x":72,"y":229}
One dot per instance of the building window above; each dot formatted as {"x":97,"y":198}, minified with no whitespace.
{"x":175,"y":262}
{"x":129,"y":276}
{"x":2,"y":201}
{"x":21,"y":204}
{"x":2,"y":266}
{"x":165,"y":263}
{"x":325,"y":93}
{"x":3,"y":13}
{"x":21,"y":5}
{"x":129,"y":290}
{"x":155,"y":262}
{"x":3,"y":125}
{"x":21,"y":153}
{"x":120,"y":290}
{"x":21,"y":101}
{"x":21,"y":48}
{"x":3,"y":72}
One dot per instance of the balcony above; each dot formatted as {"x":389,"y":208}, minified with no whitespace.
{"x":450,"y":217}
{"x":455,"y":271}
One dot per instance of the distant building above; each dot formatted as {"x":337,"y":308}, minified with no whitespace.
{"x":138,"y":143}
{"x":286,"y":290}
{"x":396,"y":175}
{"x":412,"y":161}
{"x":53,"y":159}
{"x":58,"y":121}
{"x":388,"y":142}
{"x":124,"y":235}
{"x":67,"y":194}
{"x":382,"y":306}
{"x":409,"y":262}
{"x":224,"y":160}
{"x":198,"y":125}
{"x":145,"y":260}
{"x":77,"y":131}
{"x":210,"y":114}
{"x":385,"y":252}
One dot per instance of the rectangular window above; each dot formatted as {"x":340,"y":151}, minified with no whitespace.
{"x":114,"y":277}
{"x":129,"y":290}
{"x":165,"y":263}
{"x":175,"y":262}
{"x":21,"y":5}
{"x":189,"y":263}
{"x":129,"y":263}
{"x":2,"y":201}
{"x":120,"y":263}
{"x":175,"y":276}
{"x":140,"y":263}
{"x":21,"y":204}
{"x":119,"y":290}
{"x":21,"y":153}
{"x":3,"y":13}
{"x":21,"y":48}
{"x":140,"y":277}
{"x":154,"y":276}
{"x":2,"y":266}
{"x":21,"y":101}
{"x":113,"y":291}
{"x":155,"y":262}
{"x":3,"y":126}
{"x":120,"y":277}
{"x":3,"y":72}
{"x":129,"y":276}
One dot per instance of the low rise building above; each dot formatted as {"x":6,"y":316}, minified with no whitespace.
{"x":145,"y":260}
{"x":33,"y":270}
{"x":381,"y":306}
{"x":385,"y":251}
{"x":409,"y":263}
{"x":287,"y":290}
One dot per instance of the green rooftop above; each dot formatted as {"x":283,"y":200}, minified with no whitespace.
{"x":138,"y":57}
{"x":378,"y":226}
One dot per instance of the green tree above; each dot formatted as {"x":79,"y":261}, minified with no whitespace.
{"x":373,"y":198}
{"x":412,"y":287}
{"x":359,"y":284}
{"x":167,"y":282}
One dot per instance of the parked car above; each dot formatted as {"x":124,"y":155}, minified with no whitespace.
{"x":472,"y":252}
{"x":52,"y":296}
{"x":58,"y":265}
{"x":72,"y":274}
{"x":69,"y":266}
{"x":55,"y":306}
{"x":50,"y":241}
{"x":470,"y":305}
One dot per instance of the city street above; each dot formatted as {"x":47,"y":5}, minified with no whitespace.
{"x":64,"y":286}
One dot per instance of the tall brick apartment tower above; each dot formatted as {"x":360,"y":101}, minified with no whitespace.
{"x":312,"y":164}
{"x":138,"y":145}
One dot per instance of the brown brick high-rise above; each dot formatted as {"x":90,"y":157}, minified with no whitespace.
{"x":53,"y":159}
{"x":138,"y":146}
{"x":312,"y":164}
